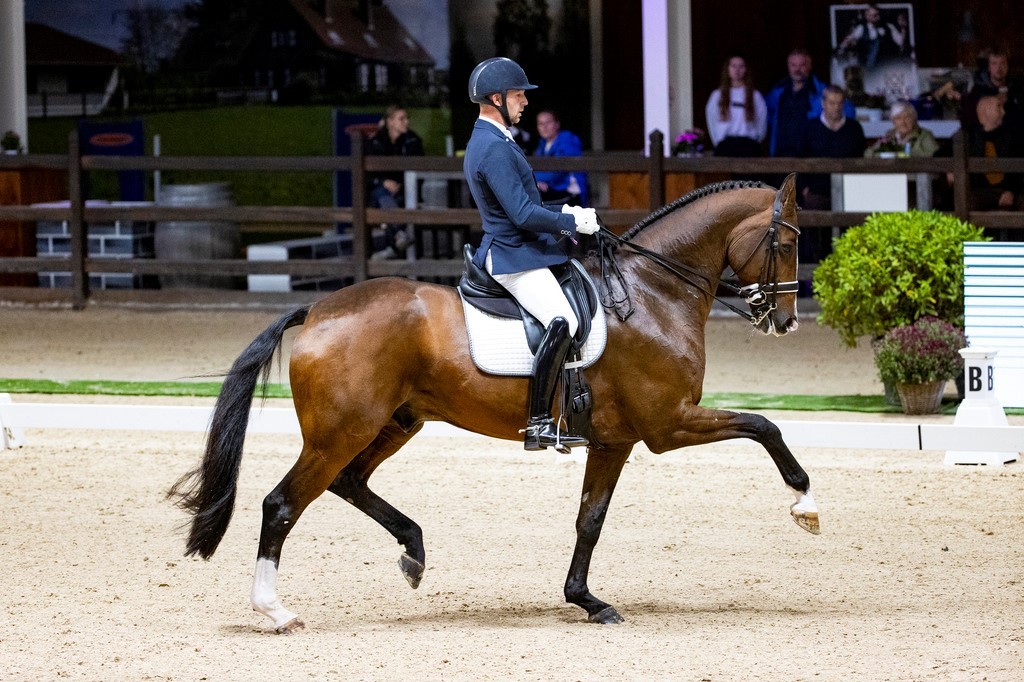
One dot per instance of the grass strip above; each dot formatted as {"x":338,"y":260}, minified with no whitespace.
{"x":210,"y":389}
{"x":190,"y":389}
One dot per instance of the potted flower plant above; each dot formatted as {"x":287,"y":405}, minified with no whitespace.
{"x":888,"y":147}
{"x":919,"y":359}
{"x":10,"y":143}
{"x":690,"y":142}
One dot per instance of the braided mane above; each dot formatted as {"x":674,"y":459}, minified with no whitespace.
{"x":689,"y":198}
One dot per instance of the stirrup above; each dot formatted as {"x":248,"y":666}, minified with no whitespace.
{"x":541,"y":434}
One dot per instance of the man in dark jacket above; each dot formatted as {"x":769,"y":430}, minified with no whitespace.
{"x":394,"y":138}
{"x":521,"y":235}
{"x":832,"y":135}
{"x":992,"y":137}
{"x":793,"y":103}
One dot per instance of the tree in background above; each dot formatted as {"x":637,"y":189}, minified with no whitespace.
{"x":154,"y":33}
{"x":462,"y":61}
{"x":572,"y":78}
{"x":219,"y":32}
{"x":522,"y":31}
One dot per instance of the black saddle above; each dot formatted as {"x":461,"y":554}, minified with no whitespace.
{"x":481,"y":291}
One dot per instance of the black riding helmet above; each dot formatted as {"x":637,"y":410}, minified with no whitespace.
{"x":497,"y":75}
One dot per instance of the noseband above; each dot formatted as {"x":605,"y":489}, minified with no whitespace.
{"x":760,"y":296}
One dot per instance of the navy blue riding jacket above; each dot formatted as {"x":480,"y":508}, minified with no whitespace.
{"x":519,"y":231}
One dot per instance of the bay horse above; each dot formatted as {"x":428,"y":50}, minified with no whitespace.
{"x":376,"y":360}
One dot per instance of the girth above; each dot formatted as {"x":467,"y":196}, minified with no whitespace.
{"x":481,"y":291}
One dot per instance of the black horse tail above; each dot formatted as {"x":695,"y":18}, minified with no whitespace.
{"x":208,"y":491}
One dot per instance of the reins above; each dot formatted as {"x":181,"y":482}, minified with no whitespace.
{"x":761,"y":295}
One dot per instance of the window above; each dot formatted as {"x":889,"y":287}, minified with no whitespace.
{"x":364,"y":77}
{"x":380,"y":75}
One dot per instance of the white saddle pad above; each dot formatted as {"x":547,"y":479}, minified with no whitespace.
{"x":498,"y":344}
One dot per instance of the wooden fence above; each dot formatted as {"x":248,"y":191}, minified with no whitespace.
{"x":359,"y":266}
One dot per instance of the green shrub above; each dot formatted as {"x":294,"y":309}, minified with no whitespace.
{"x":921,"y":352}
{"x":892,"y":270}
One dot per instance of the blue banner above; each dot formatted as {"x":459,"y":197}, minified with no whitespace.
{"x":116,"y":139}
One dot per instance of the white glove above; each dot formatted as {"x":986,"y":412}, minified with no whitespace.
{"x":586,"y":220}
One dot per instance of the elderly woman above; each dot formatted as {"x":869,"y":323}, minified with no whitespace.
{"x":905,"y":131}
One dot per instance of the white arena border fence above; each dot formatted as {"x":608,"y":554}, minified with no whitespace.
{"x":15,"y":417}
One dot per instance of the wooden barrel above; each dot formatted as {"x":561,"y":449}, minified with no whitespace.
{"x":197,"y":240}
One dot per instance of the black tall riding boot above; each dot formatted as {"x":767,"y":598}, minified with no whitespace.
{"x":541,"y":430}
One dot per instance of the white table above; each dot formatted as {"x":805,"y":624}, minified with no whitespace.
{"x":941,"y":129}
{"x":878,"y":191}
{"x":411,"y":184}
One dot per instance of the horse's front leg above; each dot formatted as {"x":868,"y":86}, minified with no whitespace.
{"x":698,"y":425}
{"x":602,"y":473}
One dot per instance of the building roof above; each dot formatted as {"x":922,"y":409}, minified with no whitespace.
{"x":381,"y":38}
{"x":46,"y":45}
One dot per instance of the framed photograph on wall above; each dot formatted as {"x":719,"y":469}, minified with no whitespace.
{"x":873,"y":52}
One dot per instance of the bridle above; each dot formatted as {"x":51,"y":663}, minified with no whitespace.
{"x":760,"y":296}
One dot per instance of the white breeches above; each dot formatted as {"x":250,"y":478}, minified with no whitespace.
{"x":538,"y":292}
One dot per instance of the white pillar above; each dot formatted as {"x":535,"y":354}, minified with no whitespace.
{"x":656,"y":71}
{"x":13,"y":106}
{"x":668,"y":68}
{"x":680,"y":55}
{"x":596,"y":81}
{"x":980,"y":407}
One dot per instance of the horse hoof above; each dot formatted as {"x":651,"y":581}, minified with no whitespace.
{"x":807,"y":520}
{"x":411,"y":569}
{"x":291,"y":627}
{"x":608,"y":616}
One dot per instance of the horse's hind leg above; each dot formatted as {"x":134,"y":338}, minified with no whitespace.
{"x":306,"y":481}
{"x":603,"y":469}
{"x":351,"y":486}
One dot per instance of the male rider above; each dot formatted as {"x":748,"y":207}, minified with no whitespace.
{"x":521,"y":235}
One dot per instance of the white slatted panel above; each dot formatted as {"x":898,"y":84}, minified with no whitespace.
{"x":994,"y":311}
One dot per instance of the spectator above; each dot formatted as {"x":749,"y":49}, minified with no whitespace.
{"x":393,"y":138}
{"x":995,"y":80}
{"x":906,"y":134}
{"x":736,"y":113}
{"x":832,"y":135}
{"x":559,"y":186}
{"x":993,"y":138}
{"x":793,"y":103}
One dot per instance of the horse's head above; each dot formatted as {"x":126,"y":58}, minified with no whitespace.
{"x":762,"y":251}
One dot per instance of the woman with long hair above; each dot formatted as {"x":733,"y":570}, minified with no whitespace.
{"x":736,"y":113}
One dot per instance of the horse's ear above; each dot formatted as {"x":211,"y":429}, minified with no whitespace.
{"x":788,"y":190}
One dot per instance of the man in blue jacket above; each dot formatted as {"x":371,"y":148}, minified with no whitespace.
{"x":793,"y":102}
{"x":559,"y":186}
{"x":521,"y":235}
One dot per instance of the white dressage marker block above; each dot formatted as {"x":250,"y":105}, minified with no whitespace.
{"x":980,"y":407}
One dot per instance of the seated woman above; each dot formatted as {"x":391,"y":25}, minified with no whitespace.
{"x":905,"y":135}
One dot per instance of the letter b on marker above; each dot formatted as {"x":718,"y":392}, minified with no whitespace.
{"x":974,"y":378}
